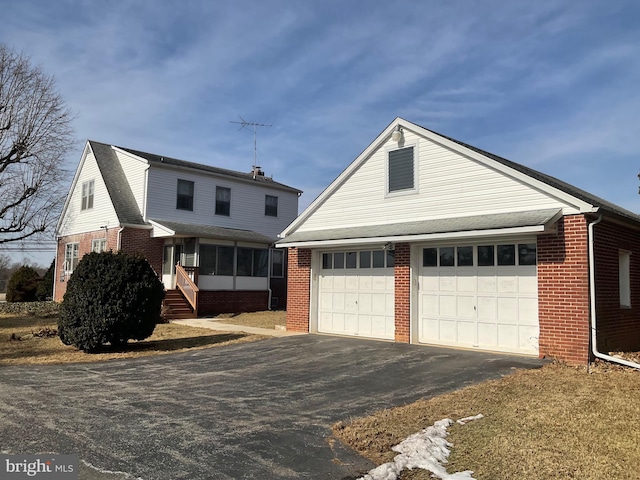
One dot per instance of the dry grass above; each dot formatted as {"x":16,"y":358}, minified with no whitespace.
{"x":554,"y":423}
{"x":20,"y":343}
{"x":267,"y":319}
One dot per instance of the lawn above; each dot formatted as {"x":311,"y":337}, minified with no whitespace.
{"x":266,"y":319}
{"x":31,"y":339}
{"x":558,"y":422}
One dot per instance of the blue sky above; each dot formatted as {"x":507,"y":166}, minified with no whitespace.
{"x":554,"y":85}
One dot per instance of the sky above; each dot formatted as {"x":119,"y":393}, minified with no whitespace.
{"x":553,"y":85}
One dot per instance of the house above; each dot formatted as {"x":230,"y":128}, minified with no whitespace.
{"x":428,"y":240}
{"x":208,"y":232}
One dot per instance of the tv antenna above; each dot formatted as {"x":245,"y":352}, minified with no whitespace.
{"x":243,"y":124}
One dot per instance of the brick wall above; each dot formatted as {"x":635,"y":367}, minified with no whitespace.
{"x":402,"y":296}
{"x":618,"y":328}
{"x":213,"y":302}
{"x":563,"y":291}
{"x":139,"y":241}
{"x":298,"y":291}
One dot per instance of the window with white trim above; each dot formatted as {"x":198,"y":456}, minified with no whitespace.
{"x":71,"y":257}
{"x":223,"y":201}
{"x":400,"y":170}
{"x":87,"y":195}
{"x":277,"y":263}
{"x":184,"y":200}
{"x":99,"y":245}
{"x":270,"y":206}
{"x":624,"y":274}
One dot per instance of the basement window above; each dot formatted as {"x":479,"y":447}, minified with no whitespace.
{"x":624,"y":269}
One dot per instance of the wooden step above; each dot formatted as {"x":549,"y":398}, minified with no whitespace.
{"x":176,"y":305}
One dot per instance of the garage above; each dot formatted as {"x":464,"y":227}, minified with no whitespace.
{"x":356,"y":293}
{"x":482,"y":295}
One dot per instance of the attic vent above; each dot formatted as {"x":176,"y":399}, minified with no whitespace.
{"x":401,"y":169}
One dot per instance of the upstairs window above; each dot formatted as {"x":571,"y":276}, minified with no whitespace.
{"x":223,"y":201}
{"x":87,"y":195}
{"x":185,"y":195}
{"x":271,"y":206}
{"x":401,"y":170}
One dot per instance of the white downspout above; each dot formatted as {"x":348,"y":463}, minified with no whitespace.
{"x":592,"y":294}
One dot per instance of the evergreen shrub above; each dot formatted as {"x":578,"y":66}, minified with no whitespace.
{"x":22,"y":285}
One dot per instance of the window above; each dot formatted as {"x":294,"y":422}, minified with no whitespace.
{"x":223,"y":201}
{"x":527,"y":254}
{"x":87,"y":195}
{"x":185,"y":195}
{"x":378,"y":259}
{"x":430,"y":257}
{"x":354,"y":260}
{"x":270,"y":206}
{"x":486,"y":256}
{"x":167,"y":260}
{"x":216,"y":260}
{"x":446,"y":257}
{"x":99,"y":245}
{"x":277,"y":263}
{"x":252,"y":262}
{"x":401,"y":169}
{"x":71,"y":257}
{"x":365,"y":259}
{"x":465,"y":256}
{"x":506,"y":254}
{"x":624,"y":269}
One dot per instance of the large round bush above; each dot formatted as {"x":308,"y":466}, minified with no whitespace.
{"x":110,"y":298}
{"x":22,"y":285}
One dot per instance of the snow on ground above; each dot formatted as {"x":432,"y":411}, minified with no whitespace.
{"x":427,"y":449}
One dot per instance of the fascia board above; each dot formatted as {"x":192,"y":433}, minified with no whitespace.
{"x":160,"y":230}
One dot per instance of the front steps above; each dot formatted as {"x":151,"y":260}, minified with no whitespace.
{"x":176,"y":306}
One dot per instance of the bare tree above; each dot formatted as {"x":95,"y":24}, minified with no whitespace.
{"x":35,"y":136}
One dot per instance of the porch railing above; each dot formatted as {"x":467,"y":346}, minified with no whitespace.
{"x":186,"y":278}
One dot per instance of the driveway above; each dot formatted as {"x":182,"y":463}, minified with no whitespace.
{"x":258,"y":410}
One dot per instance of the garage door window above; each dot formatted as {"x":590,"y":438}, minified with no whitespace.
{"x":363,"y":259}
{"x":481,"y":256}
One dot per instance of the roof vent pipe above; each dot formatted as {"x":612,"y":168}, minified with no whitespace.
{"x":592,"y":305}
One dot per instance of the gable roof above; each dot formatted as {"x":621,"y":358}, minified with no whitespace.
{"x":117,"y":184}
{"x":552,"y":185}
{"x":153,"y":158}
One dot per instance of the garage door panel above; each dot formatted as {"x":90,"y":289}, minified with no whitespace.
{"x":379,"y":282}
{"x":351,"y":282}
{"x":487,"y":335}
{"x":528,"y":338}
{"x":448,"y":331}
{"x":447,"y":283}
{"x":429,"y":305}
{"x":487,"y":308}
{"x":466,"y":332}
{"x":466,"y":307}
{"x":337,"y":302}
{"x":365,"y":302}
{"x":351,"y":302}
{"x":364,"y":282}
{"x":466,"y":282}
{"x":528,"y":311}
{"x":507,"y":283}
{"x":447,"y":305}
{"x":326,"y":282}
{"x":430,"y":329}
{"x":508,"y":310}
{"x":430,"y":283}
{"x":508,"y":336}
{"x":487,"y":281}
{"x":528,"y":283}
{"x":351,"y":322}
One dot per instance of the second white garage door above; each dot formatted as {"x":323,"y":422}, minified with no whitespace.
{"x":356,"y":294}
{"x":481,"y":296}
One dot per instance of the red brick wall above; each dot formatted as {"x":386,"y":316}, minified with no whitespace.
{"x":563,"y":291}
{"x":139,"y":241}
{"x":213,"y":302}
{"x":618,"y":328}
{"x":84,"y":247}
{"x":298,"y":291}
{"x":402,"y":297}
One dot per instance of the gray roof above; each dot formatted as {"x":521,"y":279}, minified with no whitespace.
{"x":219,"y":233}
{"x":117,"y":184}
{"x":552,"y":181}
{"x":158,"y":159}
{"x":424,"y":227}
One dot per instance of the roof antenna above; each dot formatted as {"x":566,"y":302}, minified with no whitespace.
{"x":243,"y":123}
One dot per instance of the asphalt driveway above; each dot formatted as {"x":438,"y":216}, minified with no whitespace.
{"x":258,"y":410}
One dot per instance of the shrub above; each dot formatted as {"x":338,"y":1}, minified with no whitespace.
{"x":22,"y":285}
{"x":45,"y":287}
{"x":110,"y":298}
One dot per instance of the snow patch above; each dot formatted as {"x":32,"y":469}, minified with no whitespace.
{"x":427,"y":450}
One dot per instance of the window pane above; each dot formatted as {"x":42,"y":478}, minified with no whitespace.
{"x":378,"y":259}
{"x":391,"y":258}
{"x":338,"y":260}
{"x":485,"y":256}
{"x":465,"y":256}
{"x":277,"y":263}
{"x":225,"y":261}
{"x":208,"y":259}
{"x":244,"y":262}
{"x":429,"y":257}
{"x":327,"y":261}
{"x":260,"y":262}
{"x":401,"y":169}
{"x":185,"y":195}
{"x":506,"y":254}
{"x":223,"y":201}
{"x":271,"y":206}
{"x":446,"y":257}
{"x":352,"y":258}
{"x":365,"y":259}
{"x":167,"y":260}
{"x":527,"y":254}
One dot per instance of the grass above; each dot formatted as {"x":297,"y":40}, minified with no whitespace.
{"x":267,"y":319}
{"x":557,"y":422}
{"x":21,"y":344}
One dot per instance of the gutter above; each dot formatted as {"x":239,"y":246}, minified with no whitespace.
{"x":592,"y":301}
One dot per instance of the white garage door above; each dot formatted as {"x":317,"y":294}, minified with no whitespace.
{"x":482,"y":296}
{"x":355,"y":291}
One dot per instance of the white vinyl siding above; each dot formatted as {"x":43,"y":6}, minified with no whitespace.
{"x":449,"y":185}
{"x":135,"y":171}
{"x":247,"y":202}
